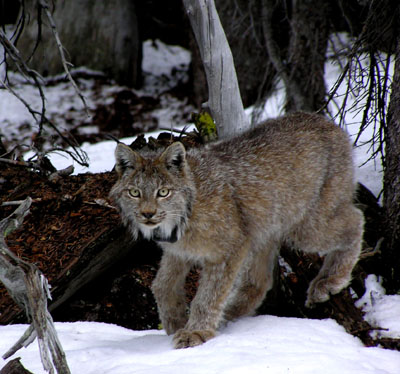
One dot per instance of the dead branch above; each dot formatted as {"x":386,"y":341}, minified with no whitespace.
{"x":28,"y":73}
{"x":368,"y":81}
{"x":18,"y":202}
{"x":43,"y":4}
{"x":29,"y":289}
{"x":27,"y":164}
{"x":31,"y":75}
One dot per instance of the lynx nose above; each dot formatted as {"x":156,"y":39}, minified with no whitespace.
{"x":148,"y":215}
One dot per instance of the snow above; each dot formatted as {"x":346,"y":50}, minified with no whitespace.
{"x":380,"y":310}
{"x":263,"y":344}
{"x":164,"y":67}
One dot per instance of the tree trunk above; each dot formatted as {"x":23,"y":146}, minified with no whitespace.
{"x":100,"y":35}
{"x":391,"y":181}
{"x":302,"y":70}
{"x":224,"y":101}
{"x":242,"y":21}
{"x":306,"y":57}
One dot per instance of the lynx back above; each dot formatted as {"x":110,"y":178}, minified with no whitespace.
{"x":229,"y":206}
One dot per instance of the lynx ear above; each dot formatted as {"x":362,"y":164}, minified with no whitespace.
{"x":174,"y":156}
{"x":126,"y":158}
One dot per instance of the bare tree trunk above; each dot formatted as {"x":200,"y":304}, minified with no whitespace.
{"x":224,"y":101}
{"x":302,"y":71}
{"x":307,"y":50}
{"x":391,"y":182}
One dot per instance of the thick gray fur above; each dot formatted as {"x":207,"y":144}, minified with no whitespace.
{"x":229,"y":208}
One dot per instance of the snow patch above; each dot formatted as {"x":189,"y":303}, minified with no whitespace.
{"x":381,"y":310}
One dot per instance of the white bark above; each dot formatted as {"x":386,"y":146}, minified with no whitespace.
{"x":224,"y":102}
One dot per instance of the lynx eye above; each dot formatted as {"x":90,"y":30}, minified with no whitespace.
{"x":134,"y":192}
{"x":163,"y":192}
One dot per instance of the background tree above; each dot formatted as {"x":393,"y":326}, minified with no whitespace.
{"x":225,"y":102}
{"x":302,"y":69}
{"x":391,"y":194}
{"x":104,"y":36}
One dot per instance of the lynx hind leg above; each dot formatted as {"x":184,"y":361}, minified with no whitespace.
{"x":252,"y":284}
{"x":345,"y":236}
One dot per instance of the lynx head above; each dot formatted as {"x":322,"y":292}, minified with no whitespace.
{"x":154,"y":192}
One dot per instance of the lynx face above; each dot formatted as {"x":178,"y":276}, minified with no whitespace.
{"x":154,"y":193}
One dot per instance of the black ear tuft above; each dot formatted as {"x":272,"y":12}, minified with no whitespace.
{"x":126,"y":158}
{"x":174,"y":156}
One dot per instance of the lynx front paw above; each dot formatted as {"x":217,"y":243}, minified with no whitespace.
{"x":187,"y":338}
{"x":320,"y":290}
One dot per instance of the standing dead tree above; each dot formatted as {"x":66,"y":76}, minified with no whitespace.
{"x":225,"y":102}
{"x":29,"y":289}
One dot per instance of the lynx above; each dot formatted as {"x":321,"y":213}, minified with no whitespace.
{"x":228,"y":207}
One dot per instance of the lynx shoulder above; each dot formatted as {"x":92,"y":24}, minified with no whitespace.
{"x":229,"y":206}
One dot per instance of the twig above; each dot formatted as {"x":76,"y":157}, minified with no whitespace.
{"x":27,"y":164}
{"x":101,"y":202}
{"x":18,"y":202}
{"x":13,"y":52}
{"x":24,"y":69}
{"x":34,"y":113}
{"x":368,"y":86}
{"x":367,"y":329}
{"x":30,"y":74}
{"x":45,"y":6}
{"x":369,"y":252}
{"x":178,"y":131}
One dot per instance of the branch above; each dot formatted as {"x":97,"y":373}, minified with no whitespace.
{"x":30,"y":74}
{"x":224,"y":101}
{"x":45,"y":6}
{"x":29,"y":289}
{"x":27,"y":72}
{"x":27,"y":164}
